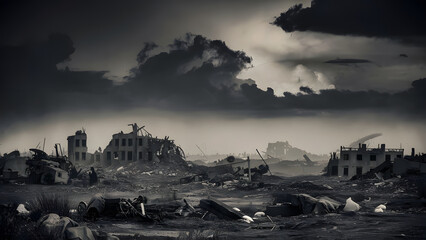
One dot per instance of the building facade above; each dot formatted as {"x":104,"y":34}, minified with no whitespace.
{"x":96,"y":157}
{"x":357,"y":161}
{"x":77,"y":147}
{"x":278,"y":149}
{"x":139,"y":146}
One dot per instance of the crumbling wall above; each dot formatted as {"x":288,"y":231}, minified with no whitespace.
{"x":401,"y":166}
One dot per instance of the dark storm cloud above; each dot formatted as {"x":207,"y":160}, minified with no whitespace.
{"x":306,"y":90}
{"x":378,"y":18}
{"x":195,"y":74}
{"x":347,"y":61}
{"x":409,"y":102}
{"x":32,"y":85}
{"x":143,"y":54}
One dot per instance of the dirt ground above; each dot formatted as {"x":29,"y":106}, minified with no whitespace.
{"x":405,"y":216}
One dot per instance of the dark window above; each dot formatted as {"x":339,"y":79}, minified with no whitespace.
{"x":123,"y":142}
{"x":150,"y":156}
{"x":372,"y":157}
{"x":398,"y":156}
{"x":140,"y":155}
{"x":334,"y":171}
{"x":98,"y":157}
{"x":130,"y":142}
{"x":123,"y":155}
{"x":345,"y":156}
{"x":77,"y":156}
{"x":59,"y":174}
{"x":83,"y":143}
{"x":388,"y":158}
{"x":117,"y":141}
{"x":129,"y":156}
{"x":115,"y":155}
{"x":359,"y":157}
{"x":140,"y":141}
{"x":359,"y":171}
{"x":108,"y":155}
{"x":345,"y":171}
{"x":83,"y":156}
{"x":77,"y":142}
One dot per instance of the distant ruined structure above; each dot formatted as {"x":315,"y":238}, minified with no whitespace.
{"x":139,"y":146}
{"x":284,"y":151}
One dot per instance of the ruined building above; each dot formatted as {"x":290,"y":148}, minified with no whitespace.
{"x":77,"y":147}
{"x":139,"y":145}
{"x":414,"y":163}
{"x":284,"y":151}
{"x":96,"y":157}
{"x":278,"y":149}
{"x":359,"y":160}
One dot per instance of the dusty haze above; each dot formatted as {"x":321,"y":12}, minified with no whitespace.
{"x":216,"y":133}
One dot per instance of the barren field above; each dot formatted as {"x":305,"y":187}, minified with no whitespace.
{"x":405,"y":216}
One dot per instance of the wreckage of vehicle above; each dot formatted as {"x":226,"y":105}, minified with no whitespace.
{"x":40,"y":168}
{"x":44,"y":169}
{"x":99,"y":207}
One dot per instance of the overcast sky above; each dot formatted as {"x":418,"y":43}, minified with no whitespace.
{"x":322,"y":73}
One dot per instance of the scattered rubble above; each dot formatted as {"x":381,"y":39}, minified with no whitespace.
{"x":220,"y":209}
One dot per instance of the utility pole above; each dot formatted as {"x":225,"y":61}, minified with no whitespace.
{"x":249,"y":169}
{"x":266,"y":165}
{"x":201,"y":151}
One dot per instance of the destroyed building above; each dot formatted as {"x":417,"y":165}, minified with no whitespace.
{"x":359,"y":160}
{"x":77,"y":147}
{"x":414,"y":163}
{"x":139,"y":145}
{"x":284,"y":151}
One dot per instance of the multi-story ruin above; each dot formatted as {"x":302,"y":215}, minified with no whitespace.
{"x":139,"y":145}
{"x":284,"y":151}
{"x":359,"y":160}
{"x":77,"y":147}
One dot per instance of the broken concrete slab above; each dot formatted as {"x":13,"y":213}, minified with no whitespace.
{"x":296,"y":204}
{"x":220,"y":209}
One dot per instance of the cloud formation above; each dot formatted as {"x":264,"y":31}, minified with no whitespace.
{"x":33,"y":86}
{"x":378,"y":18}
{"x":195,"y":72}
{"x":347,"y":61}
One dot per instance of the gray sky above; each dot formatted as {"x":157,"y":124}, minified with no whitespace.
{"x":67,"y":81}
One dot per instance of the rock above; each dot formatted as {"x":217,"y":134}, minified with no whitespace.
{"x":351,"y":206}
{"x":259,"y":214}
{"x":379,"y":209}
{"x":247,"y":219}
{"x":53,"y":226}
{"x":22,"y":210}
{"x":382,"y":206}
